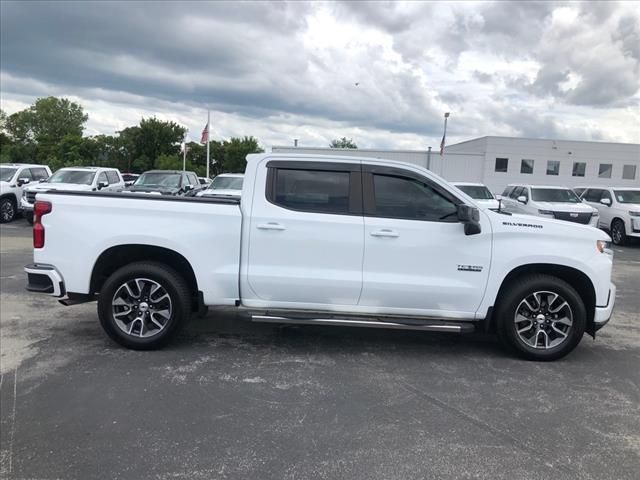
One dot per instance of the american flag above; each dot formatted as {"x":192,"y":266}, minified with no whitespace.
{"x":205,"y":134}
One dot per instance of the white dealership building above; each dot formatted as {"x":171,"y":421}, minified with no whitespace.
{"x":499,"y":161}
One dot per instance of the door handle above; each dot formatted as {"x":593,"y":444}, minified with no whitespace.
{"x":271,"y":226}
{"x":385,"y":232}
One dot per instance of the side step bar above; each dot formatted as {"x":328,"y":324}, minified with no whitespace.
{"x":427,"y":326}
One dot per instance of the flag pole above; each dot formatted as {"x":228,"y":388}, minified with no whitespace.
{"x":184,"y":153}
{"x":444,"y":135}
{"x":208,"y":134}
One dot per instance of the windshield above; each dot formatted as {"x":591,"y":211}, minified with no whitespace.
{"x":627,"y":196}
{"x":79,"y":177}
{"x":479,"y":192}
{"x":158,"y":179}
{"x":554,"y":195}
{"x":226,"y":183}
{"x":6,"y":174}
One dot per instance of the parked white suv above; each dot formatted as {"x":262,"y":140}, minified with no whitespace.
{"x":73,"y":179}
{"x":560,"y":203}
{"x":13,"y":178}
{"x":480,"y":193}
{"x":224,"y":185}
{"x":619,"y":210}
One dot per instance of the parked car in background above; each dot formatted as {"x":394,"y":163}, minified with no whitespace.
{"x":224,"y":185}
{"x":166,"y":182}
{"x":560,"y":203}
{"x":72,"y":179}
{"x":326,"y":240}
{"x":480,"y":193}
{"x":204,"y":181}
{"x":13,"y":179}
{"x":619,"y":211}
{"x":129,"y":178}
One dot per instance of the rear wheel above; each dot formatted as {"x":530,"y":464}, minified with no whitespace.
{"x":618,"y":232}
{"x":541,"y":317}
{"x":143,"y":305}
{"x":7,"y":210}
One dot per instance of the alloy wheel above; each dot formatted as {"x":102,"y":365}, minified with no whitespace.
{"x":616,"y":233}
{"x":7,"y":211}
{"x":543,"y":320}
{"x":141,"y":307}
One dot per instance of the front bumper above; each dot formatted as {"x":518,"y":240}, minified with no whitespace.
{"x":44,"y":279}
{"x":25,"y":206}
{"x":603,"y":314}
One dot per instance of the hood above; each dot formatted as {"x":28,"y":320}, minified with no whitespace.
{"x":220,"y":192}
{"x":150,"y":189}
{"x":532,"y":224}
{"x":68,"y":187}
{"x":564,"y":207}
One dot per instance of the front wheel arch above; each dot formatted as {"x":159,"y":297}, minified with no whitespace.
{"x":574,"y":277}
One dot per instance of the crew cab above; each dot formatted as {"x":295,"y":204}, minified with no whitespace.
{"x":13,"y":179}
{"x":325,"y":240}
{"x":561,"y":203}
{"x":77,"y":179}
{"x":619,"y":209}
{"x":166,"y":182}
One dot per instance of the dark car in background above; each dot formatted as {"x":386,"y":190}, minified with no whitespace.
{"x":166,"y":182}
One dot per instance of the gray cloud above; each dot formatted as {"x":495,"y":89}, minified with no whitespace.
{"x":252,"y":59}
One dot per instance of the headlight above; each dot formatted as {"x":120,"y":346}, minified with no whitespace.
{"x":604,"y":247}
{"x":634,"y":214}
{"x":545,"y":212}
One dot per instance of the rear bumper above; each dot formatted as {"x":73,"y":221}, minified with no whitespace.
{"x":44,"y":279}
{"x":603,"y":314}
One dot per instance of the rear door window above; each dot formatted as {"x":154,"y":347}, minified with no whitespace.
{"x":318,"y":191}
{"x":113,"y":177}
{"x":39,"y":173}
{"x":593,"y":195}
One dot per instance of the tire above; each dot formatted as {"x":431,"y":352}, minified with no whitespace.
{"x":541,"y":337}
{"x":136,"y":314}
{"x":29,"y":217}
{"x":7,"y":210}
{"x":618,"y":232}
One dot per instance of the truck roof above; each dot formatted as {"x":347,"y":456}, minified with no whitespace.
{"x":168,"y":171}
{"x":89,"y":169}
{"x":21,"y":165}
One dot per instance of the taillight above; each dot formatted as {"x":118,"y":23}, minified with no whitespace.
{"x":39,"y":209}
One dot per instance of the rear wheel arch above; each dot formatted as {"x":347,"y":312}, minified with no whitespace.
{"x":118,"y":256}
{"x":574,"y":277}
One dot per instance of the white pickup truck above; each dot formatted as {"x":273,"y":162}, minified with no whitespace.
{"x":325,"y":240}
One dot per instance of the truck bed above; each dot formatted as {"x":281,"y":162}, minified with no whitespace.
{"x":205,"y":231}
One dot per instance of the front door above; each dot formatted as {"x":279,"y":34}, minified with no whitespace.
{"x":306,"y":235}
{"x":418,"y":259}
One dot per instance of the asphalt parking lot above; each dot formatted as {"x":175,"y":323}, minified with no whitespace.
{"x":232,"y":399}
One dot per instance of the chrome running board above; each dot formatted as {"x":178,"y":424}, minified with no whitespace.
{"x":427,"y":326}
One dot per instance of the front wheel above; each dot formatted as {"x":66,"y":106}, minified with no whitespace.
{"x":541,"y":317}
{"x":142,"y":306}
{"x":618,"y":232}
{"x":7,"y":210}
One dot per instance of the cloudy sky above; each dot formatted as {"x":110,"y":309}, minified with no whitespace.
{"x":381,"y":73}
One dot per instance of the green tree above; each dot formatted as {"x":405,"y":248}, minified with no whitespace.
{"x":155,"y":138}
{"x":235,"y":153}
{"x":343,"y":142}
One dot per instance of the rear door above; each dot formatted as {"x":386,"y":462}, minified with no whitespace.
{"x":306,"y":234}
{"x":417,"y":256}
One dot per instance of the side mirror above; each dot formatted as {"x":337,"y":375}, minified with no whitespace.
{"x":470,"y":216}
{"x":102,"y":185}
{"x":606,"y":201}
{"x":522,"y":199}
{"x":23,"y":181}
{"x":188,"y":188}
